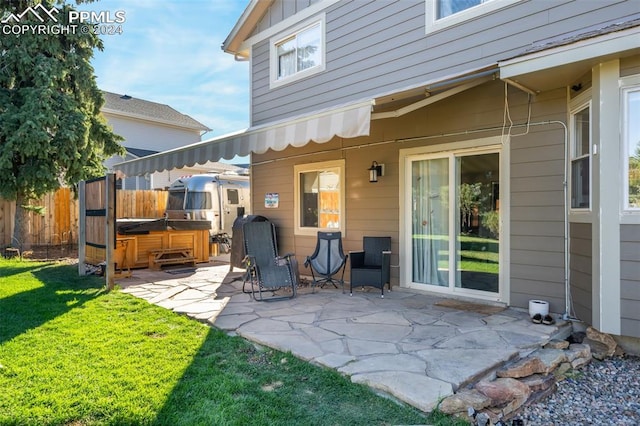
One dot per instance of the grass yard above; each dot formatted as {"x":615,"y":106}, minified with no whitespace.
{"x":73,"y":354}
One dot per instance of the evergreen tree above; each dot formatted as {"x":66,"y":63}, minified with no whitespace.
{"x":51,"y":130}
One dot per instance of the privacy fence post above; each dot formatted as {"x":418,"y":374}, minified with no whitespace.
{"x":110,"y":234}
{"x":82,"y":228}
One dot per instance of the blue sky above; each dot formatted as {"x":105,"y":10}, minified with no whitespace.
{"x":169,"y":52}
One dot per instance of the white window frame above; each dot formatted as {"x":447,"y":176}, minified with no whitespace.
{"x":274,"y":81}
{"x":337,"y":165}
{"x":474,"y":146}
{"x":628,"y":85}
{"x":434,"y":24}
{"x":577,"y":105}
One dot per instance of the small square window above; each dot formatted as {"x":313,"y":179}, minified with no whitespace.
{"x":232,"y":196}
{"x":441,"y":14}
{"x":319,"y":197}
{"x":297,"y":55}
{"x":449,"y":7}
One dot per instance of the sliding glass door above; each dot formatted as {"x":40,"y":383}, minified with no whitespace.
{"x":455,"y":221}
{"x":430,"y":221}
{"x":477,"y":231}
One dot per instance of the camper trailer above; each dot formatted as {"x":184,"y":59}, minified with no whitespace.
{"x":218,"y":198}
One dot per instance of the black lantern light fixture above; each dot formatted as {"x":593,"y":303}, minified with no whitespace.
{"x":374,"y":171}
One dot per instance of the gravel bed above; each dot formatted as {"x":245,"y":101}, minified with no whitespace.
{"x":602,"y":393}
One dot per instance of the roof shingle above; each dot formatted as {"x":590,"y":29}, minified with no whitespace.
{"x":127,"y":105}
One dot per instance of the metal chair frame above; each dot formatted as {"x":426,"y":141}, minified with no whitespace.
{"x":327,"y":260}
{"x":266,"y":271}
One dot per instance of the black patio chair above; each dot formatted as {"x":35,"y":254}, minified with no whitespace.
{"x":371,"y":266}
{"x":327,"y":259}
{"x":266,"y":270}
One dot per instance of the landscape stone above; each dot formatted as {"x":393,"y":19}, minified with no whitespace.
{"x":576,"y":337}
{"x":603,"y":338}
{"x":580,"y":362}
{"x":578,"y":350}
{"x":523,"y":368}
{"x":503,"y":391}
{"x":559,"y":372}
{"x":599,"y":350}
{"x":551,"y":358}
{"x":461,"y":401}
{"x":539,"y":382}
{"x":416,"y":389}
{"x":557,"y":344}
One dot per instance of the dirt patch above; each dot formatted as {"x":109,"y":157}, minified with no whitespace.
{"x":65,"y":253}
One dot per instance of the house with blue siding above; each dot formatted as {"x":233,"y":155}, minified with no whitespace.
{"x":507,"y":131}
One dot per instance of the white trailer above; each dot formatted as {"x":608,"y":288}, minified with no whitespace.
{"x":219,"y":198}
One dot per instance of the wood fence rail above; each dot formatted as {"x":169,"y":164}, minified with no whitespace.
{"x":58,"y":225}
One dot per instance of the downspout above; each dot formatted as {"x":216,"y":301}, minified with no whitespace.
{"x":567,"y":256}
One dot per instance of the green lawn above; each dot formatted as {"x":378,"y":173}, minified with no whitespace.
{"x":477,"y":254}
{"x":74,"y":354}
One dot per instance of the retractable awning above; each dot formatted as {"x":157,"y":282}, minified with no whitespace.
{"x":348,"y":121}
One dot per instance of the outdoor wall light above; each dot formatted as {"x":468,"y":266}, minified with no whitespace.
{"x":375,"y":170}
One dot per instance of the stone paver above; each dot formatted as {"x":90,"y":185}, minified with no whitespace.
{"x":403,"y":345}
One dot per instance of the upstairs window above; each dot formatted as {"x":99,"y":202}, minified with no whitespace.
{"x":449,"y":7}
{"x":441,"y":14}
{"x":300,"y":52}
{"x":581,"y":158}
{"x":297,"y":55}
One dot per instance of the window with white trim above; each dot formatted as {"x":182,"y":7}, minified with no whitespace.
{"x":446,"y":8}
{"x":444,"y":13}
{"x":631,"y":146}
{"x":581,"y":157}
{"x":319,"y":197}
{"x":298,"y":54}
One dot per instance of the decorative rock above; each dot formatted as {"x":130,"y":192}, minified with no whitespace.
{"x":541,"y":394}
{"x":619,"y":351}
{"x":551,"y":358}
{"x":599,"y":350}
{"x":603,"y":338}
{"x":539,"y":382}
{"x":578,"y":350}
{"x":562,"y":368}
{"x":505,"y":391}
{"x":461,"y":402}
{"x":529,"y":379}
{"x":580,"y":362}
{"x":522,"y":368}
{"x":557,"y":344}
{"x":577,"y":337}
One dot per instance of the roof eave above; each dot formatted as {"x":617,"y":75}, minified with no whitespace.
{"x":254,"y":11}
{"x":593,"y":47}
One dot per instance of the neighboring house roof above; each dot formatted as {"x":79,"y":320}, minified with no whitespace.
{"x":140,"y":152}
{"x":128,"y":106}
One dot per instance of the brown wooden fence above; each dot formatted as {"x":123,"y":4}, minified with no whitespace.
{"x":58,"y":225}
